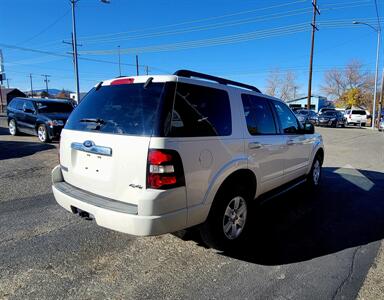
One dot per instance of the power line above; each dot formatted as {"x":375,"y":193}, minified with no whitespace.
{"x":120,"y":36}
{"x":223,"y":40}
{"x":199,"y":20}
{"x":202,"y":27}
{"x":45,"y":29}
{"x":8,"y":46}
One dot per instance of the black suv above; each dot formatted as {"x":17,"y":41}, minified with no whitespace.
{"x":42,"y":117}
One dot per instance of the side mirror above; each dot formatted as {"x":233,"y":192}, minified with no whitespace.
{"x":309,"y":128}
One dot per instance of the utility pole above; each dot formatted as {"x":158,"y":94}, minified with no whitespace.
{"x":30,"y":78}
{"x":381,"y":96}
{"x":314,"y":28}
{"x":119,"y":61}
{"x":146,"y":70}
{"x":74,"y":43}
{"x":137,"y":65}
{"x":46,"y":81}
{"x":8,"y":79}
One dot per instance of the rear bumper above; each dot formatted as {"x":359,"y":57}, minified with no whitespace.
{"x":113,"y":214}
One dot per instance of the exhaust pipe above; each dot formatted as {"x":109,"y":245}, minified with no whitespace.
{"x":83,"y":214}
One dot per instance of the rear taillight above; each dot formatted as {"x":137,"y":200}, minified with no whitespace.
{"x":164,"y":169}
{"x":123,"y":81}
{"x":350,"y":116}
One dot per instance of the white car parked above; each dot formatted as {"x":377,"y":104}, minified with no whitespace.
{"x":356,"y":117}
{"x":149,"y":155}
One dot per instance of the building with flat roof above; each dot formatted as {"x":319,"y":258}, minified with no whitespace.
{"x":317,"y":102}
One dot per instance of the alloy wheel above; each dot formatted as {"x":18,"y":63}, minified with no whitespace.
{"x":235,"y":216}
{"x":316,"y":172}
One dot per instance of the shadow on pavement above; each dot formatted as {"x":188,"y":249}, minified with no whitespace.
{"x":16,"y":149}
{"x":346,"y":211}
{"x":4,"y":131}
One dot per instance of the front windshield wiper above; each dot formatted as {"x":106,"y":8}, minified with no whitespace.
{"x":90,"y":120}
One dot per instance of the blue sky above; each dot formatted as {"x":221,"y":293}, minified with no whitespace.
{"x":241,"y":40}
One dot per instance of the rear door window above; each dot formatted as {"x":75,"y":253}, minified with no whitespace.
{"x":258,"y":115}
{"x":17,"y":104}
{"x":200,"y":111}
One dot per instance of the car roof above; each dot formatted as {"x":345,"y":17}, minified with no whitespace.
{"x":49,"y":100}
{"x":43,"y":100}
{"x":176,"y":78}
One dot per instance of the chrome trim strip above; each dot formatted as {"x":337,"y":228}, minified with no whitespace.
{"x":99,"y":150}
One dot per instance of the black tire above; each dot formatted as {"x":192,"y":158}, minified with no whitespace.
{"x":42,"y":134}
{"x":314,"y":176}
{"x":212,"y":230}
{"x":362,"y":124}
{"x":12,"y":127}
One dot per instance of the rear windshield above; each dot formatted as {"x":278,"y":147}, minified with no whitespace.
{"x":359,"y":112}
{"x":127,"y":109}
{"x":54,"y":107}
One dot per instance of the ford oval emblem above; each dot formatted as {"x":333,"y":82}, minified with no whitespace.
{"x":88,"y":144}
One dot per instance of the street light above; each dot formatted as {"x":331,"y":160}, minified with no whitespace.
{"x":74,"y":44}
{"x":376,"y":71}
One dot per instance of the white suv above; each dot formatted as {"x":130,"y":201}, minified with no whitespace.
{"x":356,"y":117}
{"x":149,"y":155}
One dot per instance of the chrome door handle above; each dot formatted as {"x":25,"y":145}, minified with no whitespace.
{"x":255,"y":145}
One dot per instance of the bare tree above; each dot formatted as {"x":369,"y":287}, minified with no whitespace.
{"x":281,"y":85}
{"x":334,"y":84}
{"x":273,"y":83}
{"x":288,"y":86}
{"x":338,"y":82}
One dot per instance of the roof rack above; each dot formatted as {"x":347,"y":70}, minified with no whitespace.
{"x":190,"y":74}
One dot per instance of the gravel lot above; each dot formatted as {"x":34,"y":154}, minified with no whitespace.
{"x":303,"y":246}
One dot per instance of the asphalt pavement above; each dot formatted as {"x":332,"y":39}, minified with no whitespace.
{"x":303,"y":245}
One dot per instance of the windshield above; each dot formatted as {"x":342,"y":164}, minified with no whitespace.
{"x":54,"y":107}
{"x":330,"y":113}
{"x":129,"y":109}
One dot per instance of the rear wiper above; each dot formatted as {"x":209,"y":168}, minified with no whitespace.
{"x":89,"y":120}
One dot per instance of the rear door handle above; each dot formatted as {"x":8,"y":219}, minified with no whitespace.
{"x":255,"y":145}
